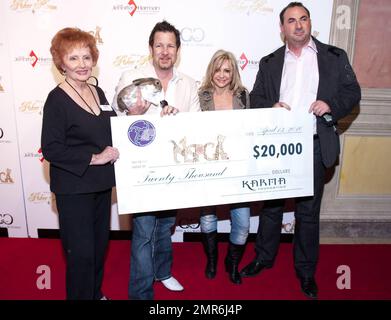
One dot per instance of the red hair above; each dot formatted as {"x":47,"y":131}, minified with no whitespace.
{"x":66,"y":40}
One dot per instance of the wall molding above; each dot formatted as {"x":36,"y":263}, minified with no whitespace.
{"x":342,"y":37}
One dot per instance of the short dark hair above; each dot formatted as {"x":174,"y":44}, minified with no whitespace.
{"x":164,"y":26}
{"x":291,"y":5}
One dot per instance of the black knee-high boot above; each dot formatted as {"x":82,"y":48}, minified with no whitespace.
{"x":232,"y":260}
{"x":209,"y":241}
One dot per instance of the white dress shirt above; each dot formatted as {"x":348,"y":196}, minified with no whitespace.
{"x":300,"y":79}
{"x":181,"y":93}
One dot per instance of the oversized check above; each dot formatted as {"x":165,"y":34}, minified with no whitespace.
{"x":208,"y":158}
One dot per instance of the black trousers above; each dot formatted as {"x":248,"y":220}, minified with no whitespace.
{"x":306,"y":237}
{"x":84,"y":229}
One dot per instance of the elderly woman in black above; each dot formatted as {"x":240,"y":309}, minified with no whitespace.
{"x":76,"y":140}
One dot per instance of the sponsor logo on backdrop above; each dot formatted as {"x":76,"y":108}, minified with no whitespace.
{"x":3,"y":137}
{"x":32,"y":107}
{"x":133,"y":7}
{"x":41,"y":197}
{"x":137,"y":7}
{"x":244,"y":62}
{"x":194,"y":36}
{"x":6,"y":177}
{"x":34,"y":60}
{"x":37,"y":154}
{"x":249,"y":7}
{"x":130,"y":61}
{"x":6,"y":220}
{"x":32,"y":5}
{"x":96,"y":34}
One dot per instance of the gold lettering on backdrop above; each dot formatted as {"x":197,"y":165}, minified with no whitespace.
{"x":192,"y":152}
{"x":20,"y":4}
{"x":31,"y":106}
{"x":249,"y":6}
{"x":124,"y":61}
{"x":28,"y":4}
{"x":5,"y":177}
{"x":40,"y":197}
{"x":40,"y":3}
{"x":96,"y":35}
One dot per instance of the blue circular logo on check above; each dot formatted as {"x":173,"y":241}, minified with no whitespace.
{"x":141,"y":133}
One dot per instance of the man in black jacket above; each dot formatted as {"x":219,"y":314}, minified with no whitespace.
{"x":305,"y":75}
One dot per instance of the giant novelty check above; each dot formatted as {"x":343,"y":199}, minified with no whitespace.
{"x":209,"y":158}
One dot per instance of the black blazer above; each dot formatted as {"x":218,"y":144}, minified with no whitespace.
{"x":338,"y":87}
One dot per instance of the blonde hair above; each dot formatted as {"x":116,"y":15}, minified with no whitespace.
{"x":215,"y":64}
{"x":69,"y":38}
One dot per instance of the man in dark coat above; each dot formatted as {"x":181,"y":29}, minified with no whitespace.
{"x":304,"y":75}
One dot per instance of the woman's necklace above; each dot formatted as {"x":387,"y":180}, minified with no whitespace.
{"x":82,"y":97}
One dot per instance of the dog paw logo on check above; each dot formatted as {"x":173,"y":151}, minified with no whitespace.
{"x":141,"y":133}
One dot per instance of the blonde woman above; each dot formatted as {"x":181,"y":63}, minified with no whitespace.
{"x":222,"y":89}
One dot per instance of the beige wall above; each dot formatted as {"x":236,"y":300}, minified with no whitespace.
{"x":366,"y":166}
{"x":372,"y":55}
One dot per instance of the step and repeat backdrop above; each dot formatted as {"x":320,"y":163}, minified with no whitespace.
{"x":248,"y":28}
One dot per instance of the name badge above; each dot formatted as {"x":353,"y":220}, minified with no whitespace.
{"x":105,"y":107}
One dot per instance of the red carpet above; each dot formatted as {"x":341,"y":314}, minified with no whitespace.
{"x":370,"y":267}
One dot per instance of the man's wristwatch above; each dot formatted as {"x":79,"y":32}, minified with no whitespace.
{"x":163,"y":103}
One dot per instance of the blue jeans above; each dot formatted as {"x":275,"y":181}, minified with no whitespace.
{"x":240,"y":224}
{"x":151,"y":252}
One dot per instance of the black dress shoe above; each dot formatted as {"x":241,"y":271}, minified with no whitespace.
{"x":252,"y":269}
{"x":309,"y":287}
